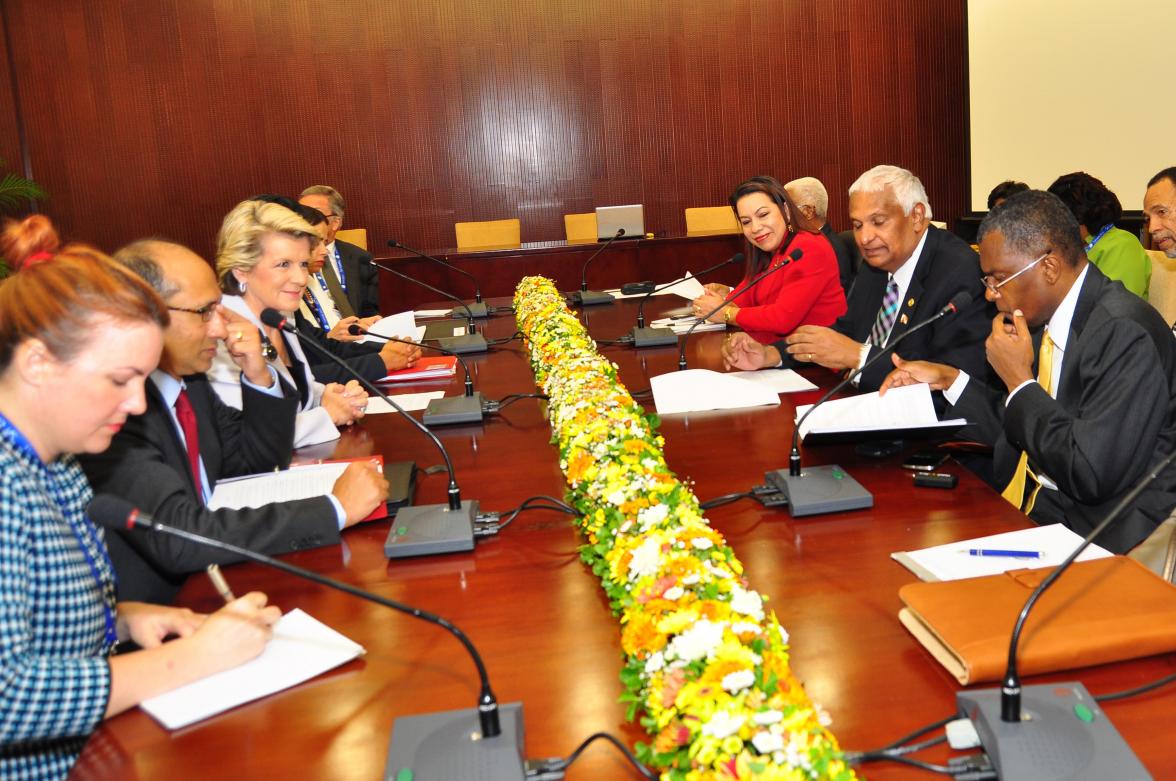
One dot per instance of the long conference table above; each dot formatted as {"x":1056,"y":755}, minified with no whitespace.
{"x":541,"y":619}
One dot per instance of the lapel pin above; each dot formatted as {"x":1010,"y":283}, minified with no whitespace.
{"x":903,"y":319}
{"x":910,"y":302}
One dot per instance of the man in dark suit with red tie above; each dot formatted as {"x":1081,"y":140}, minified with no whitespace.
{"x":168,"y":460}
{"x":911,"y":270}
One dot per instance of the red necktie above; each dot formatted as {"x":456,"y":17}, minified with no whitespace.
{"x":187,"y":418}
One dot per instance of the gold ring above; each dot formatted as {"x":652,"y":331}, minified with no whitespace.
{"x":239,"y":336}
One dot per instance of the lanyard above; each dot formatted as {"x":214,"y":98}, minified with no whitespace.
{"x":339,"y":268}
{"x":82,"y":535}
{"x":315,"y":307}
{"x":1101,"y":233}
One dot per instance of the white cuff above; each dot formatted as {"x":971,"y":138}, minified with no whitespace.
{"x":953,"y":392}
{"x":1013,"y":392}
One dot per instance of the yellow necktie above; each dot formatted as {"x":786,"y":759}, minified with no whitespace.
{"x":1014,"y":493}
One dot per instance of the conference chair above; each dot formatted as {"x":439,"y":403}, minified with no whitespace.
{"x":711,"y":221}
{"x":489,"y":234}
{"x":580,"y":228}
{"x":356,"y":236}
{"x":1161,"y":292}
{"x":855,"y":252}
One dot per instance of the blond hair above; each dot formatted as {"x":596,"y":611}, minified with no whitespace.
{"x":238,"y":244}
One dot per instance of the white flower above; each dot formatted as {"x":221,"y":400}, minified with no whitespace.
{"x":651,"y":516}
{"x":698,"y":641}
{"x":747,"y":602}
{"x":767,"y":742}
{"x":645,"y":559}
{"x":617,"y":498}
{"x":625,"y":527}
{"x":674,"y":593}
{"x":691,"y":579}
{"x":765,"y":717}
{"x":745,"y":628}
{"x":738,"y":681}
{"x":722,"y":725}
{"x":655,"y":663}
{"x":702,"y":543}
{"x":783,"y":635}
{"x":823,"y":716}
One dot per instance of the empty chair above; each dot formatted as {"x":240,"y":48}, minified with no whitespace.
{"x":580,"y":228}
{"x":489,"y":234}
{"x":1161,"y":291}
{"x":711,"y":221}
{"x":356,"y":236}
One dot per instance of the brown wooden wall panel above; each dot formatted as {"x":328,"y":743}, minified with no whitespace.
{"x":156,"y":116}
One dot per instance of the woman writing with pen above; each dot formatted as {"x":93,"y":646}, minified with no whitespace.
{"x":79,"y":335}
{"x":808,"y":292}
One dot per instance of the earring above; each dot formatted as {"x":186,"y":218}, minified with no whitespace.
{"x":242,"y":286}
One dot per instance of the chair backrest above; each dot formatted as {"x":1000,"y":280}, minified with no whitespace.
{"x":490,"y":234}
{"x":1161,"y":292}
{"x":711,"y":221}
{"x":356,"y":236}
{"x":580,"y":228}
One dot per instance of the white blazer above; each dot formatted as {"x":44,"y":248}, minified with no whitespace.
{"x":313,"y":424}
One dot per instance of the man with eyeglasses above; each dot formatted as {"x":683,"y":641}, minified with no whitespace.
{"x":1088,"y":403}
{"x":168,"y":460}
{"x":353,"y":281}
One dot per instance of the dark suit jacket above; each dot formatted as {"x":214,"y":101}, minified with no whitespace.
{"x":848,"y":257}
{"x":1113,"y":419}
{"x":363,"y":280}
{"x":364,"y":358}
{"x":147,"y":464}
{"x":946,"y":266}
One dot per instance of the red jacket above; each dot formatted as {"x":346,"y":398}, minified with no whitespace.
{"x":808,"y":292}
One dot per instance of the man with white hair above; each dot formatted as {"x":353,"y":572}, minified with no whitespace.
{"x":911,"y":270}
{"x":351,"y":282}
{"x":1159,"y":207}
{"x":811,"y":197}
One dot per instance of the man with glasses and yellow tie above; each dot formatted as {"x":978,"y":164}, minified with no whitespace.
{"x":1089,"y":373}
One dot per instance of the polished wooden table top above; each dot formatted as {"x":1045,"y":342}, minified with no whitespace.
{"x":541,"y":620}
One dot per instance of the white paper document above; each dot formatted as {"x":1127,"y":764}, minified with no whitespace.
{"x":423,"y":314}
{"x":901,"y":408}
{"x":681,"y":325}
{"x":300,"y":649}
{"x":779,"y":380}
{"x":297,"y":482}
{"x":953,"y":562}
{"x":398,"y":326}
{"x":410,"y":402}
{"x":696,"y":390}
{"x":687,"y":287}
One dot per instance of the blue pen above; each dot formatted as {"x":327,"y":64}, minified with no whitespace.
{"x":1012,"y":554}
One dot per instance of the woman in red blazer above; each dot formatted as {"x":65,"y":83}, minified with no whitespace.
{"x":808,"y":292}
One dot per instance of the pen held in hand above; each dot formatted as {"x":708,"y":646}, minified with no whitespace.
{"x":219,"y":583}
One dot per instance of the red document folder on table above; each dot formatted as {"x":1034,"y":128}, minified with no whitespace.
{"x":425,"y":369}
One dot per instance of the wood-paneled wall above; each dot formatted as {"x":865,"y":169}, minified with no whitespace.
{"x":156,"y":116}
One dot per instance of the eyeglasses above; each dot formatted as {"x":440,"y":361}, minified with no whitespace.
{"x":995,"y":286}
{"x":206,"y":312}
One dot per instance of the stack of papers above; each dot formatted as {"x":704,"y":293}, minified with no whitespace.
{"x":425,"y":369}
{"x":300,"y":649}
{"x":398,"y":326}
{"x":696,"y":390}
{"x":953,"y":562}
{"x":681,"y":325}
{"x":904,"y":408}
{"x":422,"y":314}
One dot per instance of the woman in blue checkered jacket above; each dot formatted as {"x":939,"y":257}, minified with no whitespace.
{"x":78,"y":337}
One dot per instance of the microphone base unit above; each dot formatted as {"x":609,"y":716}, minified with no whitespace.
{"x":591,"y":298}
{"x":477,"y":309}
{"x":440,"y":329}
{"x":454,"y":409}
{"x":464,"y":345}
{"x":1063,"y":734}
{"x":432,"y":528}
{"x":449,"y":745}
{"x":820,"y":489}
{"x":653,"y":337}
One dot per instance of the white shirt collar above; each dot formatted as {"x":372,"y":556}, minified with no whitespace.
{"x":906,"y":272}
{"x":169,"y":387}
{"x":1059,"y":325}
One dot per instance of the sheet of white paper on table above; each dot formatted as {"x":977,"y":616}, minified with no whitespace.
{"x":423,"y":314}
{"x":687,"y":287}
{"x":697,"y":390}
{"x":681,"y":325}
{"x":401,"y":325}
{"x":779,"y":380}
{"x":297,"y":482}
{"x":300,"y":649}
{"x":906,"y":407}
{"x":951,"y":561}
{"x":410,"y":402}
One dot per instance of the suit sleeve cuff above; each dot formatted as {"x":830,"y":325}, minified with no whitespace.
{"x":1016,"y":389}
{"x":957,"y":388}
{"x":340,"y":516}
{"x":274,"y":389}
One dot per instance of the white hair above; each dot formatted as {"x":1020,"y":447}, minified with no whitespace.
{"x":808,"y":191}
{"x":906,"y":186}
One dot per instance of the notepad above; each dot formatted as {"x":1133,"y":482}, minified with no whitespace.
{"x":409,"y":402}
{"x":300,"y":649}
{"x":697,"y":390}
{"x":779,"y":380}
{"x":905,"y":408}
{"x":951,"y":561}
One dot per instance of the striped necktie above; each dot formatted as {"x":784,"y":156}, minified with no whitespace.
{"x":886,"y":315}
{"x":1014,"y":492}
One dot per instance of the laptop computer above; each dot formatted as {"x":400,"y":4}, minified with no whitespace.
{"x":610,"y":218}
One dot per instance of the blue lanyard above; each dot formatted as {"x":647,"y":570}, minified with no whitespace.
{"x":1101,"y":233}
{"x":315,"y":307}
{"x":89,"y":533}
{"x":339,"y":268}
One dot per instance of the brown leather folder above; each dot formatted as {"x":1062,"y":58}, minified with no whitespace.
{"x":1099,"y":611}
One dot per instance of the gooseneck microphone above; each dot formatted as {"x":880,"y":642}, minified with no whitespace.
{"x":433,"y":528}
{"x":1076,"y":747}
{"x":584,"y":296}
{"x":467,"y":408}
{"x":792,"y":257}
{"x":656,"y":337}
{"x":114,"y":513}
{"x":472,"y":341}
{"x":476,"y":309}
{"x":829,"y":489}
